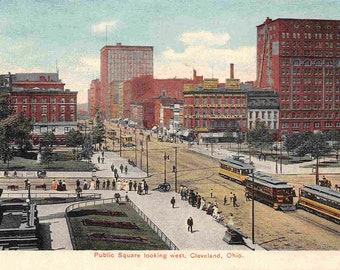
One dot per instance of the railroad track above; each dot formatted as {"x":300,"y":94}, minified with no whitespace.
{"x":315,"y":223}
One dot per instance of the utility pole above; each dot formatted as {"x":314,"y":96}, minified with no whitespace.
{"x":252,"y":210}
{"x":166,"y":157}
{"x":147,"y":157}
{"x":141,"y":154}
{"x":120,"y":141}
{"x":176,"y":169}
{"x":135,"y":147}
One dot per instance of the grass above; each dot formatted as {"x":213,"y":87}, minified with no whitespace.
{"x":83,"y":242}
{"x":20,"y":164}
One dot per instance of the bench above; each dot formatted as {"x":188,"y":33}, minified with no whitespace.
{"x":43,"y":186}
{"x":13,"y":187}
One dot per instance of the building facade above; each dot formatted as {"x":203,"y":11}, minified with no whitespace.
{"x":300,"y":60}
{"x":42,"y":98}
{"x":121,"y":63}
{"x":211,"y":108}
{"x":263,"y":105}
{"x":94,"y":97}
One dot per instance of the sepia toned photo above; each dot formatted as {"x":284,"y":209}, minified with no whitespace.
{"x":147,"y":134}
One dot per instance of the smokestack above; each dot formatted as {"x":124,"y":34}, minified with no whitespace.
{"x":231,"y":71}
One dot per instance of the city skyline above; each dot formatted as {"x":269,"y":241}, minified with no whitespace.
{"x":205,"y":35}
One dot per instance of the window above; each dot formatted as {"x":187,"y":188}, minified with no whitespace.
{"x":62,"y":109}
{"x":44,"y":118}
{"x":62,"y":117}
{"x":44,"y":109}
{"x":62,"y":100}
{"x":72,"y":117}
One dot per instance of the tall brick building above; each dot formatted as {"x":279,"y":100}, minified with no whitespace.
{"x":118,"y":64}
{"x":300,"y":60}
{"x":42,"y":98}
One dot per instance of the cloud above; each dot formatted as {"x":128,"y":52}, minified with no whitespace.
{"x":88,"y":64}
{"x":208,"y":53}
{"x":101,"y":27}
{"x":206,"y":39}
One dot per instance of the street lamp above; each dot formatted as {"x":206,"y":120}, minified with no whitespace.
{"x":166,"y":157}
{"x":175,"y":168}
{"x":147,"y":157}
{"x":120,"y":141}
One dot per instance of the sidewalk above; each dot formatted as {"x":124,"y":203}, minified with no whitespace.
{"x":220,"y":151}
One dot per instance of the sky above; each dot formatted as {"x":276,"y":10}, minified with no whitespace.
{"x":206,"y":35}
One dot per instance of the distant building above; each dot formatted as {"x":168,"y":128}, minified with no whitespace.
{"x":94,"y":97}
{"x":42,"y":98}
{"x":209,"y":108}
{"x":263,"y":105}
{"x":300,"y":60}
{"x":118,"y":64}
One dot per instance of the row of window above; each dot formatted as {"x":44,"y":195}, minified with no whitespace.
{"x":33,"y":100}
{"x":308,"y":80}
{"x":315,"y":115}
{"x":308,"y":62}
{"x":306,"y":35}
{"x":43,"y":109}
{"x":269,"y":124}
{"x":53,"y":118}
{"x":296,"y":106}
{"x":308,"y":124}
{"x":264,"y":114}
{"x":218,"y":124}
{"x":310,"y":44}
{"x":310,"y":71}
{"x":219,"y":111}
{"x":309,"y":98}
{"x":307,"y":88}
{"x":219,"y":100}
{"x":309,"y":53}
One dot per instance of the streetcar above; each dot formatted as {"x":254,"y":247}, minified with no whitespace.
{"x":126,"y":141}
{"x":320,"y":200}
{"x":271,"y":191}
{"x":235,"y":168}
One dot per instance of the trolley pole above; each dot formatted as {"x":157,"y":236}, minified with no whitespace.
{"x":120,"y":141}
{"x":176,"y":169}
{"x":135,"y":147}
{"x":147,"y":157}
{"x":141,"y":154}
{"x":165,"y":158}
{"x":252,"y":211}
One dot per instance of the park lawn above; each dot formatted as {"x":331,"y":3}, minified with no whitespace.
{"x":83,"y":242}
{"x":23,"y":164}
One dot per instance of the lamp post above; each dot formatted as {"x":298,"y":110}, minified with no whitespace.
{"x":175,"y":169}
{"x":141,"y":152}
{"x":120,"y":141}
{"x":166,"y":157}
{"x":135,"y":147}
{"x":147,"y":157}
{"x":252,"y":210}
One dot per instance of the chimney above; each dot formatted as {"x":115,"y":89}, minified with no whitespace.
{"x":231,"y":71}
{"x":119,"y":44}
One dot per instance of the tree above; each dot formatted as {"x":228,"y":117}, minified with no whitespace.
{"x":21,"y":133}
{"x":48,"y":139}
{"x":74,"y":138}
{"x":46,"y":154}
{"x":98,"y":130}
{"x":295,"y":143}
{"x":87,"y":148}
{"x":260,"y":136}
{"x":6,"y":153}
{"x":5,"y":109}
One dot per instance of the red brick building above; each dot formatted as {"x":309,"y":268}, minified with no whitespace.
{"x":212,"y":107}
{"x":42,"y":98}
{"x":121,"y":63}
{"x":94,"y":98}
{"x":300,"y":60}
{"x":153,"y":95}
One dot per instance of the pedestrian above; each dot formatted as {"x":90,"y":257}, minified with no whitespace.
{"x":121,"y":168}
{"x":172,"y":201}
{"x":190,"y":223}
{"x":103,"y":160}
{"x":103,"y":184}
{"x":113,"y":184}
{"x":146,"y":187}
{"x":85,"y":185}
{"x":98,"y":159}
{"x":108,"y":184}
{"x":134,"y":185}
{"x":211,"y":193}
{"x":130,"y":185}
{"x":225,"y":200}
{"x":126,"y":169}
{"x":112,"y":167}
{"x":234,"y":201}
{"x":231,"y":197}
{"x":102,"y":153}
{"x":26,"y":184}
{"x":97,"y":184}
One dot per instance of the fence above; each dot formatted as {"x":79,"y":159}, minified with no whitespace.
{"x":154,"y":227}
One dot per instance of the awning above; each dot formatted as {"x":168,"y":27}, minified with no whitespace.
{"x":212,"y":135}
